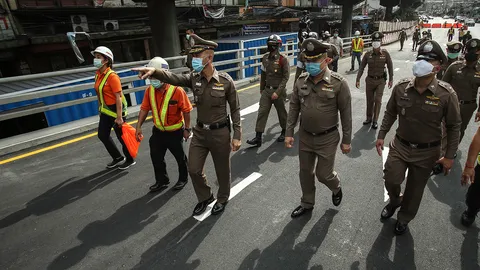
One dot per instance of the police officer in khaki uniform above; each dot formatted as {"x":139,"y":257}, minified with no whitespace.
{"x":453,"y":53}
{"x":376,"y":78}
{"x":421,"y":103}
{"x":273,"y":82}
{"x":301,"y":58}
{"x":318,"y":97}
{"x":464,"y":76}
{"x":212,"y":90}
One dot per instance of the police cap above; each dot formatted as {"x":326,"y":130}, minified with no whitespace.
{"x":473,"y":44}
{"x":431,"y":50}
{"x":314,"y":49}
{"x":454,"y":46}
{"x":377,"y":36}
{"x":202,"y":45}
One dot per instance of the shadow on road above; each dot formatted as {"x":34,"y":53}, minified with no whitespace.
{"x":174,"y":250}
{"x":284,"y":254}
{"x":128,"y":220}
{"x":363,"y":139}
{"x":63,"y":194}
{"x":404,"y":257}
{"x":469,"y":252}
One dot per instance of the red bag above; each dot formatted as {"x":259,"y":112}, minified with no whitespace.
{"x":128,"y":137}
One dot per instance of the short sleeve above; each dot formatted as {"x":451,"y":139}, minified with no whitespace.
{"x":184,"y":102}
{"x":262,"y":67}
{"x":115,"y":83}
{"x":146,"y":101}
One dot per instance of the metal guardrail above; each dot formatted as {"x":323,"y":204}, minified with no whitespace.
{"x":291,"y":54}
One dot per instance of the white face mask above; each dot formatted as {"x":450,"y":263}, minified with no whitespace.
{"x":422,"y":68}
{"x":376,"y":44}
{"x":97,"y":62}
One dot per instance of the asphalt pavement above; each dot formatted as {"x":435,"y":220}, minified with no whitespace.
{"x":61,"y":209}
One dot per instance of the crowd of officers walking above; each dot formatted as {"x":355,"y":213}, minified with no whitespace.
{"x":433,"y":108}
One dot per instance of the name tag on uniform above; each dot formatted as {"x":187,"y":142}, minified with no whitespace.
{"x":428,"y":102}
{"x":198,"y":84}
{"x":328,"y":89}
{"x":459,"y":72}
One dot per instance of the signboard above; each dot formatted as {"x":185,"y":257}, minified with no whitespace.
{"x":255,"y":29}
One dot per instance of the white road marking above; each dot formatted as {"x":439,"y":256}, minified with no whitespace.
{"x":250,"y":109}
{"x":397,"y":69}
{"x":233,"y":192}
{"x":407,"y":61}
{"x":384,"y":158}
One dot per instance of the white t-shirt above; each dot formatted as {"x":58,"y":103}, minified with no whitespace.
{"x":337,"y":42}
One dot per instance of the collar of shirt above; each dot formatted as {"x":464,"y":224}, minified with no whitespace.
{"x":464,"y":66}
{"x":104,"y":72}
{"x":215,"y":75}
{"x":326,"y":77}
{"x":432,"y":86}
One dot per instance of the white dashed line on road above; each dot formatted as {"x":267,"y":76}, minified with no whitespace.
{"x":397,"y":69}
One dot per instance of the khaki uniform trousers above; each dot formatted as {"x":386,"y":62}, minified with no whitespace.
{"x":374,"y":91}
{"x":264,"y":110}
{"x":419,"y":163}
{"x":217,"y":142}
{"x":466,"y":112}
{"x":317,"y":158}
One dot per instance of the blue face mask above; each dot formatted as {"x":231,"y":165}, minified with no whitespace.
{"x":197,"y":64}
{"x":453,"y":55}
{"x":156,"y":84}
{"x":313,"y":68}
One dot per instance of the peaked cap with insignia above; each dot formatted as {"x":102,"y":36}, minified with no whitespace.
{"x":431,"y":50}
{"x":377,"y":36}
{"x":202,"y":45}
{"x":454,"y":46}
{"x":473,"y":44}
{"x":314,"y":49}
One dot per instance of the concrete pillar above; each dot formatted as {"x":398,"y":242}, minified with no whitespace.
{"x":347,"y":10}
{"x":163,"y":22}
{"x":388,"y":13}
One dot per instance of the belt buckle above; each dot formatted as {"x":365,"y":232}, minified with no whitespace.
{"x":206,"y":127}
{"x":414,"y":145}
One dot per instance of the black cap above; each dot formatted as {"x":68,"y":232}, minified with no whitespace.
{"x":314,"y":49}
{"x":431,"y":50}
{"x":202,"y":45}
{"x":377,"y":36}
{"x":454,"y":46}
{"x":473,"y":44}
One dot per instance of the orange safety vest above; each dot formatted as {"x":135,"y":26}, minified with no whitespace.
{"x":160,"y":120}
{"x":356,"y":45}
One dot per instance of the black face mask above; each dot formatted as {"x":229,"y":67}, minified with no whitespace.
{"x":272,"y":48}
{"x":471,"y":56}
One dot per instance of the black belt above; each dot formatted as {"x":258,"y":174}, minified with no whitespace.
{"x":211,"y":126}
{"x":418,"y":145}
{"x":323,"y":132}
{"x":376,"y":77}
{"x":467,"y":101}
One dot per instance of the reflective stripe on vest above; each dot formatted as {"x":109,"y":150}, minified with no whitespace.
{"x":356,"y":45}
{"x":102,"y":107}
{"x":160,"y":120}
{"x":478,"y":158}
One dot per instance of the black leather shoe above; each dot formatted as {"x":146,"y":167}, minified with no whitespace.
{"x":255,"y":141}
{"x":218,"y":208}
{"x":300,"y":211}
{"x":367,"y":122}
{"x":180,"y":185}
{"x":401,"y":228}
{"x":202,"y":206}
{"x":158,"y":187}
{"x":468,"y":218}
{"x":374,"y":125}
{"x":337,"y":198}
{"x":388,"y":211}
{"x":115,"y":162}
{"x":281,"y":138}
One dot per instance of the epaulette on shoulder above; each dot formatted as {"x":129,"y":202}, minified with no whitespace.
{"x":337,"y":76}
{"x":405,"y":80}
{"x":225,"y":75}
{"x":458,"y":62}
{"x":304,"y":74}
{"x":446,"y":85}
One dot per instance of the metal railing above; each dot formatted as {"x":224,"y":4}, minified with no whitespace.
{"x":30,"y":95}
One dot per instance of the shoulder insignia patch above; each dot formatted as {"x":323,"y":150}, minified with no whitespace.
{"x":225,"y":76}
{"x":337,"y":76}
{"x":446,"y":85}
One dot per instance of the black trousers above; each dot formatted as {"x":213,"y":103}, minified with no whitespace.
{"x":104,"y":127}
{"x":414,"y":45}
{"x":335,"y":65}
{"x":159,"y":143}
{"x":401,"y":44}
{"x":473,"y":193}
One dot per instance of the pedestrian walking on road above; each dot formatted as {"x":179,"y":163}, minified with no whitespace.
{"x":453,"y":52}
{"x":420,"y":103}
{"x":273,"y":82}
{"x":318,"y":97}
{"x":464,"y":76}
{"x":212,"y":91}
{"x":170,"y":108}
{"x":471,"y":175}
{"x":415,"y":39}
{"x":402,"y":37}
{"x":465,"y":39}
{"x":451,"y":34}
{"x":338,"y":43}
{"x":357,"y":49}
{"x":112,"y":107}
{"x":376,"y":79}
{"x":301,"y":59}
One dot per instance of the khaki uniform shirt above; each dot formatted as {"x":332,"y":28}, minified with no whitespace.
{"x":376,"y":64}
{"x":210,"y":97}
{"x":464,"y":80}
{"x":275,"y":72}
{"x":319,"y":105}
{"x":420,"y":115}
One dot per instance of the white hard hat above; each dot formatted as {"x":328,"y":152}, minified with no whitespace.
{"x":103,"y":50}
{"x":158,"y":63}
{"x":357,"y":32}
{"x":327,"y":33}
